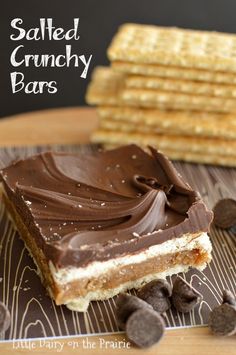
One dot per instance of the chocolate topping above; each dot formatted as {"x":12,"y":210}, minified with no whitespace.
{"x":86,"y":207}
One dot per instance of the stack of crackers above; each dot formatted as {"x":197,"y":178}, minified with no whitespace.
{"x":171,"y":88}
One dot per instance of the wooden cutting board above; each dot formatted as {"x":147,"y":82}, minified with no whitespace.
{"x":72,"y":126}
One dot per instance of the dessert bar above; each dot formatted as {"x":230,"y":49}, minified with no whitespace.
{"x":104,"y":222}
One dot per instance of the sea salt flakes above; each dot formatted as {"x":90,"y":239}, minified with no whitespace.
{"x":57,"y":235}
{"x":135,"y":234}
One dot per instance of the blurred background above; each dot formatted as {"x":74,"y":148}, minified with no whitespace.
{"x":99,"y":20}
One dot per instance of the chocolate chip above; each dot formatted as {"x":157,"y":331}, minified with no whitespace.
{"x":222,"y":320}
{"x":5,"y":318}
{"x":157,"y":293}
{"x":184,"y":297}
{"x":229,"y":298}
{"x":145,"y":327}
{"x":126,"y":305}
{"x":225,"y":213}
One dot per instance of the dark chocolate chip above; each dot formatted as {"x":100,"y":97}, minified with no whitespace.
{"x":184,"y":297}
{"x":225,"y":213}
{"x":145,"y":327}
{"x":5,"y":317}
{"x":157,"y":293}
{"x":229,"y":298}
{"x":222,"y":320}
{"x":126,"y":305}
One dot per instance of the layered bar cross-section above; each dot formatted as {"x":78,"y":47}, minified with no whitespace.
{"x":104,"y":222}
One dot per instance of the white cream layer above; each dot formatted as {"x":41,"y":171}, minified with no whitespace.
{"x":185,"y":243}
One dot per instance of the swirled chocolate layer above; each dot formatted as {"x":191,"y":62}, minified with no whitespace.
{"x":86,"y":207}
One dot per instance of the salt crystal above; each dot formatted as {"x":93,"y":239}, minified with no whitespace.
{"x":135,"y":234}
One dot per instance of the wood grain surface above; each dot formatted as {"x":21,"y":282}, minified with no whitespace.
{"x":69,"y":126}
{"x":59,"y":126}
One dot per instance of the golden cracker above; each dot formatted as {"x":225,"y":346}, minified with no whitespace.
{"x":217,"y":159}
{"x":180,"y":86}
{"x":104,"y":86}
{"x":168,"y":122}
{"x":191,"y":144}
{"x":165,"y":71}
{"x":174,"y":46}
{"x":107,"y":88}
{"x":175,"y":101}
